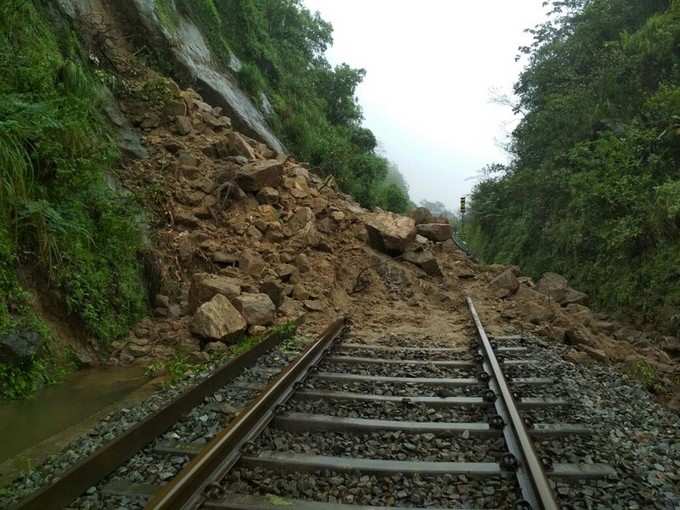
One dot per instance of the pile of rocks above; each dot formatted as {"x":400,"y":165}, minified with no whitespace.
{"x":410,"y":238}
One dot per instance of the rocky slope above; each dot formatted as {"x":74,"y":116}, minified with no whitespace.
{"x":244,"y":238}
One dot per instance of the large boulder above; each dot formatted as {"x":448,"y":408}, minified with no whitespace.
{"x":557,"y":288}
{"x":435,"y":231}
{"x":239,"y":146}
{"x":205,"y":286}
{"x":19,"y":346}
{"x":260,"y":174}
{"x":421,"y":215}
{"x":275,"y":289}
{"x":425,"y":260}
{"x":390,"y":233}
{"x":218,"y":320}
{"x":505,"y":284}
{"x":257,"y":309}
{"x":551,"y":282}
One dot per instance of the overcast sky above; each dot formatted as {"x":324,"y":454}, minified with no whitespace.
{"x":431,"y":66}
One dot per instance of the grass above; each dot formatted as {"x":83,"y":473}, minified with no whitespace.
{"x":179,"y":366}
{"x":58,"y":213}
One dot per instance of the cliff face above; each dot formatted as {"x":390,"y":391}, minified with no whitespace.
{"x":185,"y":47}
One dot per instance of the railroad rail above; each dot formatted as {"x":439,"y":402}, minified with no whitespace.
{"x":201,"y":483}
{"x":102,"y":462}
{"x":340,"y":387}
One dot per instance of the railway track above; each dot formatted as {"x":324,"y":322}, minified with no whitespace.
{"x":391,"y":418}
{"x":348,"y":424}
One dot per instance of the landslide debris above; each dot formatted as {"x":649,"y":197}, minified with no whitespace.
{"x":243,"y":239}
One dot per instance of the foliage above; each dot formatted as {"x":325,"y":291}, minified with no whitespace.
{"x":593,"y":189}
{"x":281,"y":45}
{"x":58,"y":213}
{"x":646,"y":374}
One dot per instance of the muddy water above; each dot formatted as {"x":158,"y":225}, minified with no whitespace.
{"x":26,"y":423}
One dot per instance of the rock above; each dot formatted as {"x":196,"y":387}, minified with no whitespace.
{"x":596,"y":354}
{"x":268,"y":195}
{"x":186,"y":218}
{"x":439,"y":232}
{"x":505,"y":284}
{"x":183,"y":125}
{"x":238,"y":145}
{"x":421,"y":215}
{"x":579,"y":335}
{"x":314,"y":305}
{"x":218,"y":320}
{"x":301,"y":293}
{"x":302,"y":263}
{"x":285,"y":271}
{"x":308,"y":236}
{"x":577,"y":357}
{"x":421,"y":240}
{"x":550,"y":282}
{"x":425,"y":260}
{"x":276,"y":291}
{"x":228,"y":193}
{"x":257,"y":309}
{"x":297,"y":186}
{"x":571,"y":296}
{"x":150,"y":121}
{"x":251,"y":263}
{"x":19,"y":346}
{"x":290,"y":308}
{"x":557,"y":288}
{"x":527,"y":281}
{"x":302,"y":217}
{"x":338,"y":216}
{"x":274,"y":232}
{"x":205,"y":286}
{"x":257,"y":330}
{"x":176,"y":108}
{"x":259,"y":174}
{"x":216,"y":348}
{"x":390,"y":233}
{"x":254,"y":233}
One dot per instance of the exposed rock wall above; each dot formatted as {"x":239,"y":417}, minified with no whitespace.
{"x":191,"y":58}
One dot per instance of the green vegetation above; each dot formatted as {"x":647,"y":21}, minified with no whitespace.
{"x":281,"y":45}
{"x":593,"y":190}
{"x":58,"y":214}
{"x":645,"y":373}
{"x":179,"y":366}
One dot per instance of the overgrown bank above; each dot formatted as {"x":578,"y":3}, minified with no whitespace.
{"x":68,"y":231}
{"x":60,"y":219}
{"x":593,"y":191}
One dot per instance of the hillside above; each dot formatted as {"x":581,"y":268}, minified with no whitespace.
{"x":81,"y":81}
{"x":593,"y":190}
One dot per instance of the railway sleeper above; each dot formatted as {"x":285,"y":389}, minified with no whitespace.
{"x":299,"y":462}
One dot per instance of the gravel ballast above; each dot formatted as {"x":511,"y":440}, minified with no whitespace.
{"x":203,"y":422}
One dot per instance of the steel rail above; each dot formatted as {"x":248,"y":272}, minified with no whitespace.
{"x":187,"y":488}
{"x":103,"y":461}
{"x":531,"y":476}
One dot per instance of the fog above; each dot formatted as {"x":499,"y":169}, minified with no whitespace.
{"x":432,"y":69}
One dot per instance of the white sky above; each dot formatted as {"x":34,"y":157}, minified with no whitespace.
{"x":431,"y":66}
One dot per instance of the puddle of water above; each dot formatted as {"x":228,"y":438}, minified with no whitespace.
{"x":25,"y":423}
